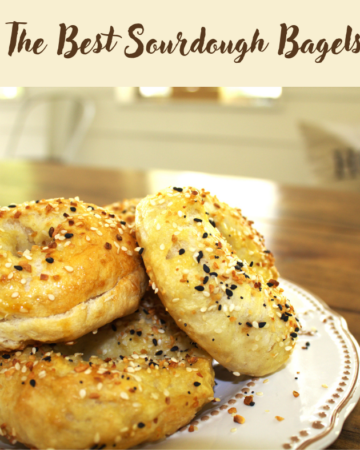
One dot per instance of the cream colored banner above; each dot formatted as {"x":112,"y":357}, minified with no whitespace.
{"x":187,"y":43}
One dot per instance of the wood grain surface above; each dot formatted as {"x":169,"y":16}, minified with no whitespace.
{"x":313,"y":233}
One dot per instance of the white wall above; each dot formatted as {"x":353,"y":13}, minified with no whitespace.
{"x":246,"y":141}
{"x":32,"y":142}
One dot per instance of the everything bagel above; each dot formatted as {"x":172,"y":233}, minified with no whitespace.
{"x":125,"y":210}
{"x":138,"y":379}
{"x":66,"y":268}
{"x":246,"y":242}
{"x":222,"y":302}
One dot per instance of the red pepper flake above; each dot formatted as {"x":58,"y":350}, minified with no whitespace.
{"x":81,"y":368}
{"x":44,"y":277}
{"x":239,"y":419}
{"x":279,"y":418}
{"x":272,"y":283}
{"x":191,"y":428}
{"x":94,"y":395}
{"x":108,"y":246}
{"x":27,"y":267}
{"x":232,"y":410}
{"x":248,"y":400}
{"x":295,"y":394}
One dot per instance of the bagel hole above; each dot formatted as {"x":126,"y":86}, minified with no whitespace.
{"x":20,"y":238}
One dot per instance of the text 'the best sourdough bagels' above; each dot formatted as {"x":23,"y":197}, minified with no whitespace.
{"x":66,"y":268}
{"x":223,"y":303}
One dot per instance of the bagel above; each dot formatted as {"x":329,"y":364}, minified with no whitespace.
{"x":125,"y":210}
{"x":138,"y":379}
{"x":66,"y":268}
{"x":245,"y":240}
{"x":244,"y":322}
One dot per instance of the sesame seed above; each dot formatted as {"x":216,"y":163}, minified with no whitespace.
{"x":51,"y":297}
{"x":42,"y":374}
{"x":237,"y":374}
{"x":288,"y":348}
{"x":162,"y":247}
{"x":69,"y":269}
{"x":324,"y":385}
{"x":15,"y":295}
{"x":124,"y":395}
{"x":82,"y":393}
{"x":8,"y":265}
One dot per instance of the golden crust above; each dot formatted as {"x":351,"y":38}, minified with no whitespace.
{"x":125,"y":210}
{"x":242,"y":320}
{"x":66,"y":268}
{"x":246,"y":242}
{"x":127,"y":393}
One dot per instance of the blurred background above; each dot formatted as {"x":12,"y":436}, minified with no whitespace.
{"x":298,"y":136}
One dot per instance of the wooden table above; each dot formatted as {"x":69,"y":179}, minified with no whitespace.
{"x":314,"y":233}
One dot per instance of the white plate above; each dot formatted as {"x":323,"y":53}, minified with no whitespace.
{"x":327,"y":380}
{"x":312,"y":420}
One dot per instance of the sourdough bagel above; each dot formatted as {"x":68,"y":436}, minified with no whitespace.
{"x":140,"y":378}
{"x":246,"y":242}
{"x":66,"y":268}
{"x":125,"y":210}
{"x":244,"y":322}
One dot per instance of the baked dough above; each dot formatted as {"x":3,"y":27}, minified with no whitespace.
{"x":146,"y":380}
{"x":66,"y":268}
{"x":242,"y":320}
{"x":245,"y":240}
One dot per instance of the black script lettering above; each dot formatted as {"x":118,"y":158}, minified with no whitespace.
{"x":242,"y":48}
{"x":63,"y":38}
{"x":259,"y":42}
{"x":86,"y":46}
{"x":23,"y":40}
{"x":198,"y":44}
{"x":140,"y":46}
{"x":284,"y":39}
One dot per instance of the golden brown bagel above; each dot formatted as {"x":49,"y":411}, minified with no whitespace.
{"x":66,"y":268}
{"x":242,"y":320}
{"x":125,"y":210}
{"x":129,"y":392}
{"x":246,"y":242}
